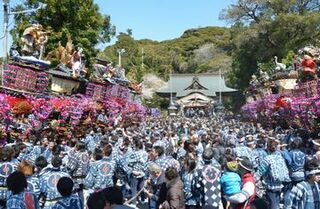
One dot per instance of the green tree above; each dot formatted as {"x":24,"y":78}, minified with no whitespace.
{"x":80,"y":19}
{"x":265,"y":28}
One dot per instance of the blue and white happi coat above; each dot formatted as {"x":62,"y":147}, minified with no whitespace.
{"x":302,"y":196}
{"x":49,"y":181}
{"x":70,"y":202}
{"x":20,"y":201}
{"x":100,"y":174}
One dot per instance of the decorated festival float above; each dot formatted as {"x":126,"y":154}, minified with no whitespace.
{"x":290,"y":97}
{"x":34,"y":90}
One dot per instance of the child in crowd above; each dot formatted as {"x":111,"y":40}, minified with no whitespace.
{"x":230,"y":180}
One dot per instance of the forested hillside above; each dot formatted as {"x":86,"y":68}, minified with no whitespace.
{"x":196,"y":51}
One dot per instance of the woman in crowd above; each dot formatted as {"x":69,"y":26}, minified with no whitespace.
{"x":175,"y":196}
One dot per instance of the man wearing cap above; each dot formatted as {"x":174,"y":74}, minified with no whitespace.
{"x":244,"y":199}
{"x":306,"y":194}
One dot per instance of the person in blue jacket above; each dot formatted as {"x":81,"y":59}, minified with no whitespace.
{"x":230,"y":179}
{"x":69,"y":200}
{"x":49,"y":182}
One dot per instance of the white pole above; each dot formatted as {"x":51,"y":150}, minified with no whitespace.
{"x":5,"y":29}
{"x":171,"y":103}
{"x":142,"y":59}
{"x":5,"y":35}
{"x":120,"y":51}
{"x":220,"y":78}
{"x":170,"y":80}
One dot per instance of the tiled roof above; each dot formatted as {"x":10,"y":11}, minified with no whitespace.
{"x":179,"y":82}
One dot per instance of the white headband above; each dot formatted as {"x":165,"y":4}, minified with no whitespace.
{"x":309,"y":173}
{"x":315,"y":143}
{"x":248,"y":169}
{"x":251,"y":142}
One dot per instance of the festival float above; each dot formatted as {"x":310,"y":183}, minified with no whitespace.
{"x":290,"y":97}
{"x":34,"y":90}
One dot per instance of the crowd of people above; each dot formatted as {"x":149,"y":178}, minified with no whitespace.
{"x":195,"y":112}
{"x":166,"y":163}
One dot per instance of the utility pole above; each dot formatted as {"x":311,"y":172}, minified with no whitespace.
{"x":6,"y":15}
{"x":5,"y":30}
{"x":120,"y":52}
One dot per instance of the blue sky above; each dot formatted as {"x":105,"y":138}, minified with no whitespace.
{"x":163,"y":19}
{"x":157,"y":19}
